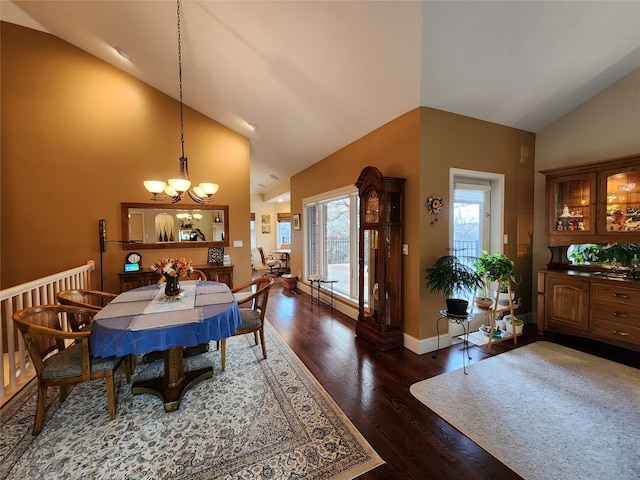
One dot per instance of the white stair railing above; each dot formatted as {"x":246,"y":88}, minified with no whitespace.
{"x":16,"y":371}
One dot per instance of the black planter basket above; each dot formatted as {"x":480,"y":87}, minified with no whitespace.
{"x":457,"y":307}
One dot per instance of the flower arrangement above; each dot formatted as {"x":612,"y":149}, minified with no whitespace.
{"x":173,"y":267}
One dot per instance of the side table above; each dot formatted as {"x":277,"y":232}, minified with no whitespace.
{"x":460,"y":320}
{"x":320,"y":283}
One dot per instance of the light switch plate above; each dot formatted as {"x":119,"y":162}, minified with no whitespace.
{"x":237,"y":243}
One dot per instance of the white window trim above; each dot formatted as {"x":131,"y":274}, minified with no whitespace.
{"x":341,"y":192}
{"x":497,"y":201}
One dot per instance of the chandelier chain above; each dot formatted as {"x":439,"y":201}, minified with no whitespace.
{"x":180,"y":79}
{"x":177,"y":188}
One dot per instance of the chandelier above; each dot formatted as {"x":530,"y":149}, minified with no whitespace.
{"x":175,"y":188}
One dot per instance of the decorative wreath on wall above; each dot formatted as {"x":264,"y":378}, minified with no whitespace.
{"x":434,"y":204}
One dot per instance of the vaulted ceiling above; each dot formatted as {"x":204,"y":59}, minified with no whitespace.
{"x":314,"y":76}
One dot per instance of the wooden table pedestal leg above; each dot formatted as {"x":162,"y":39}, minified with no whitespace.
{"x":175,"y":383}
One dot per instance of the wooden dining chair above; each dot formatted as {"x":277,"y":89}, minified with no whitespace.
{"x":94,"y":300}
{"x":255,"y":294}
{"x":61,"y":357}
{"x":195,"y":275}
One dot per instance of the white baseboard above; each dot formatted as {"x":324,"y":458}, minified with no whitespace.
{"x":350,"y":311}
{"x":420,"y":347}
{"x":426,"y":345}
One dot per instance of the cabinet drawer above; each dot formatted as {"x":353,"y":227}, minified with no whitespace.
{"x":617,"y":331}
{"x":616,"y":293}
{"x":619,"y":313}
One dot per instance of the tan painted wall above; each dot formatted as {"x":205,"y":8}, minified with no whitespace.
{"x":78,"y":137}
{"x":421,"y":146}
{"x":455,"y":141}
{"x":394,"y":149}
{"x":606,"y":126}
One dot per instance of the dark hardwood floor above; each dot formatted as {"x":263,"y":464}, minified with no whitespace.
{"x":372,"y":388}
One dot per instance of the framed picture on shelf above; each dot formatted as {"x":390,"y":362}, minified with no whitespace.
{"x":215,"y":255}
{"x":296,"y":221}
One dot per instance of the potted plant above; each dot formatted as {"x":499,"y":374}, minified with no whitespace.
{"x":496,"y":267}
{"x":450,"y":276}
{"x":482,"y":299}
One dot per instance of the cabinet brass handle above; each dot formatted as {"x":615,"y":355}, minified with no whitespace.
{"x":621,"y":295}
{"x":620,"y":314}
{"x":618,"y":332}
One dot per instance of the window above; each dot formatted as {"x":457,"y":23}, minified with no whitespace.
{"x":283,"y":229}
{"x":331,"y":233}
{"x":254,"y":241}
{"x":471,"y":211}
{"x":477,"y":219}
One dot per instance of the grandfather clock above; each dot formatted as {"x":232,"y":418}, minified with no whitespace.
{"x":380,"y":258}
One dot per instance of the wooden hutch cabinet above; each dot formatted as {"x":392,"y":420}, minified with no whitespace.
{"x":587,"y":305}
{"x":214,"y":272}
{"x":566,"y":303}
{"x":591,"y":203}
{"x":594,"y":203}
{"x":380,"y":258}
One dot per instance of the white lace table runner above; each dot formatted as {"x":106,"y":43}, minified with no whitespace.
{"x":151,"y":309}
{"x":160,"y":303}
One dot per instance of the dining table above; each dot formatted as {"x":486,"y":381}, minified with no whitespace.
{"x":144,"y":320}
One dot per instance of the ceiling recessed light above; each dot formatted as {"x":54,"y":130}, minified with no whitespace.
{"x":262,"y":185}
{"x":252,"y":126}
{"x":122,"y":53}
{"x":274,"y":177}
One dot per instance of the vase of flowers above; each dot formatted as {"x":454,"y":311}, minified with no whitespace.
{"x":172,"y":287}
{"x":173,"y":269}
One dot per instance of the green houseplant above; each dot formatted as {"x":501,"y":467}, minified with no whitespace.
{"x":613,"y":255}
{"x":450,"y":276}
{"x":496,"y":267}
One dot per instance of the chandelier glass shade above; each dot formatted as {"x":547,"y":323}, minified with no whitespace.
{"x":175,"y":189}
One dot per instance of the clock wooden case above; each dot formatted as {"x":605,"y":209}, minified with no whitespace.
{"x":380,"y":258}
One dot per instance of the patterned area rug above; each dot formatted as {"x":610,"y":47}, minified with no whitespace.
{"x":545,"y":411}
{"x":258,"y":419}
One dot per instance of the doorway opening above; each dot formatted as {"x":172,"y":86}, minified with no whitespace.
{"x":476,"y":220}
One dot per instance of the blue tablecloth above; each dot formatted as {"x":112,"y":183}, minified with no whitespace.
{"x":112,"y":336}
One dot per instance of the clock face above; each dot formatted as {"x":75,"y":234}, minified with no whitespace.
{"x":372,"y":213}
{"x":134,"y":257}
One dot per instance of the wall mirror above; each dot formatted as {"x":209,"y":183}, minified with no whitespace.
{"x":151,"y":225}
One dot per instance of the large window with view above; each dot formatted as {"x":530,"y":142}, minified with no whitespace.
{"x":284,"y":230}
{"x":331,"y":239}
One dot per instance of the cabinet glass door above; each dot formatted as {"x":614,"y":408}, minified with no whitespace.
{"x":370,"y":273}
{"x":623,"y":202}
{"x":572,"y":204}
